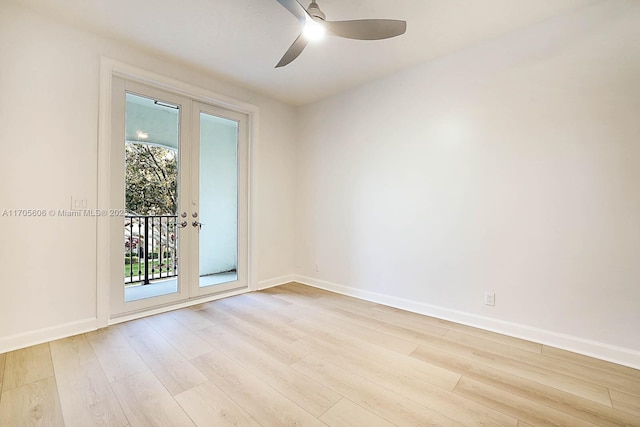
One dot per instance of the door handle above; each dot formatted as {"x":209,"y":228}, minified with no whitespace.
{"x":197,"y":224}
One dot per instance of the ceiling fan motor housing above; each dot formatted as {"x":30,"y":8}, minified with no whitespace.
{"x":314,"y":11}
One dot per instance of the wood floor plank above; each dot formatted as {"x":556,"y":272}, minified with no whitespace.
{"x":372,"y":397}
{"x":425,"y":332}
{"x":365,"y":327}
{"x":264,"y":298}
{"x":172,"y":369}
{"x":207,"y":405}
{"x":564,"y":367}
{"x":569,"y":384}
{"x":287,"y":296}
{"x":305,"y":290}
{"x":390,"y":317}
{"x":412,"y":384}
{"x":348,"y":316}
{"x":364,"y":313}
{"x":3,"y":358}
{"x":591,"y":362}
{"x":626,"y":402}
{"x":191,"y":319}
{"x":117,"y":358}
{"x":302,"y":390}
{"x":501,"y":339}
{"x":412,"y":324}
{"x":379,"y":361}
{"x":27,"y":365}
{"x":148,"y":404}
{"x":483,"y":343}
{"x":259,"y":399}
{"x":516,"y":406}
{"x":305,"y":308}
{"x":33,"y":404}
{"x":412,"y":320}
{"x":333,"y":299}
{"x":345,"y":413}
{"x":270,"y":311}
{"x":353,"y":305}
{"x":568,"y":403}
{"x":183,"y":339}
{"x":254,"y":300}
{"x":273,"y":344}
{"x":271,"y":322}
{"x":86,"y":397}
{"x":372,"y":336}
{"x":295,"y":298}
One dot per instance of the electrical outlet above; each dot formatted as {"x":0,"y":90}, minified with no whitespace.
{"x":315,"y":267}
{"x":78,"y":203}
{"x":489,"y":298}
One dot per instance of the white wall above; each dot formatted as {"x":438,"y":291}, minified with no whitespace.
{"x":511,"y":167}
{"x":49,"y":83}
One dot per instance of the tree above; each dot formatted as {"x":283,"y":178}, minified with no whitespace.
{"x":151,"y":179}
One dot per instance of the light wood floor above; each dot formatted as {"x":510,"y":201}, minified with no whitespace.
{"x":298,"y":356}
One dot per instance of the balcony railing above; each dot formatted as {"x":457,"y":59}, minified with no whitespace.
{"x":150,"y":248}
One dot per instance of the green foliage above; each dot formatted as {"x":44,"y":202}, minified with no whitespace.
{"x":151,"y":179}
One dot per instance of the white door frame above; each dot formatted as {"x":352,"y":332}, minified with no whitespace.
{"x":110,"y":68}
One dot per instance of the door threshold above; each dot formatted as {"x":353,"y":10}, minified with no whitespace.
{"x":132,"y":315}
{"x":154,"y":289}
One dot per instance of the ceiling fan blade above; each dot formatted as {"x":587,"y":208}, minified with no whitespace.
{"x":296,"y":9}
{"x":294,"y":51}
{"x":367,"y":29}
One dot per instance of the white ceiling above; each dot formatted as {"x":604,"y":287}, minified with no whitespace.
{"x":242,"y":40}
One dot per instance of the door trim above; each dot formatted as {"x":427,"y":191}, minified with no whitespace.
{"x":110,"y":68}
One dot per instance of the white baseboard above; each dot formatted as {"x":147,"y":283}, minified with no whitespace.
{"x":610,"y":353}
{"x":275,"y":281}
{"x":39,"y":336}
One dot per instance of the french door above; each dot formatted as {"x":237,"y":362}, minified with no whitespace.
{"x":179,"y":179}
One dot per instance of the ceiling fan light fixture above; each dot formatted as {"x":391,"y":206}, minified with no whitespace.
{"x":315,"y":25}
{"x":314,"y":31}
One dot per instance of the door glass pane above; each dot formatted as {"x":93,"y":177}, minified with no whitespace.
{"x":218,"y":247}
{"x":151,"y":198}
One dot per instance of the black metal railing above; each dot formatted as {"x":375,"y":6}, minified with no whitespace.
{"x":151,"y":248}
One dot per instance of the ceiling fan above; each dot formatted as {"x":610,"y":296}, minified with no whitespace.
{"x":314,"y":26}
